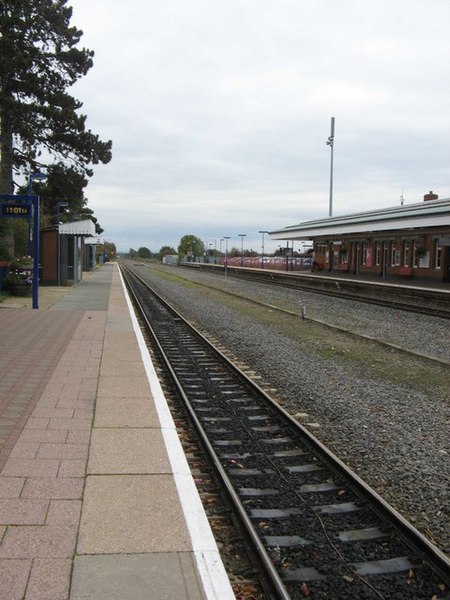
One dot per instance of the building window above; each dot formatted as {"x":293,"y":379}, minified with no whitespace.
{"x":421,"y":257}
{"x":395,"y":255}
{"x":364,"y":253}
{"x":437,"y":254}
{"x":406,"y":253}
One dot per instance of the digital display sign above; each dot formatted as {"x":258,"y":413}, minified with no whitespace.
{"x":9,"y":209}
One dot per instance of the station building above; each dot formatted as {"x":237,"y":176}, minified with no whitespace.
{"x":405,"y":241}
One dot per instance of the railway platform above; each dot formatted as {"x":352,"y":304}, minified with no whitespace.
{"x":97,"y":501}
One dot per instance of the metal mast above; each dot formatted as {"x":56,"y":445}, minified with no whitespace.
{"x":330,"y":143}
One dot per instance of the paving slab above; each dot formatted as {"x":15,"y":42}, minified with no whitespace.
{"x":126,"y":450}
{"x":14,"y":576}
{"x":132,"y":514}
{"x":125,"y":417}
{"x":159,"y":576}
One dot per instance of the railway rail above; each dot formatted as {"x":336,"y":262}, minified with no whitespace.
{"x":316,"y":527}
{"x":414,"y":298}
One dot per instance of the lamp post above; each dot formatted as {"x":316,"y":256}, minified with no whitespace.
{"x":210,"y":244}
{"x":60,"y":204}
{"x":225,"y":264}
{"x":262,"y":232}
{"x":330,"y":142}
{"x":31,"y":177}
{"x":242,"y":236}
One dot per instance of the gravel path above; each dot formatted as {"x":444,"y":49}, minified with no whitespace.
{"x":384,"y":412}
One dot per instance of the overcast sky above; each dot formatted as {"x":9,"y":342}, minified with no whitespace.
{"x":219,"y":112}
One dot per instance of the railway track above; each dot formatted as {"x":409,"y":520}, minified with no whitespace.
{"x":316,"y":527}
{"x":422,"y":300}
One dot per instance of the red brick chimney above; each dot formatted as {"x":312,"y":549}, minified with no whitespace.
{"x":430,"y":196}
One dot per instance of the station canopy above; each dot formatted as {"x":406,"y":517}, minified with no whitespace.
{"x":434,"y":213}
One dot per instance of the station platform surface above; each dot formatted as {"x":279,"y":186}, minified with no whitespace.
{"x":97,"y":501}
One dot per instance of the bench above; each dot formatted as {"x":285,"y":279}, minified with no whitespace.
{"x":405,"y":271}
{"x":344,"y":267}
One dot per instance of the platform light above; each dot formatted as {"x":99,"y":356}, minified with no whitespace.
{"x":242,"y":236}
{"x":225,"y":264}
{"x":32,"y":177}
{"x":60,"y":204}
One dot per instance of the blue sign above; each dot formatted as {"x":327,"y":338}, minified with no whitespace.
{"x":28,"y":202}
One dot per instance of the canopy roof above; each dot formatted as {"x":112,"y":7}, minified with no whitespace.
{"x":433,"y":213}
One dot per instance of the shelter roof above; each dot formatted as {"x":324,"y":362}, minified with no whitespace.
{"x":86,"y":227}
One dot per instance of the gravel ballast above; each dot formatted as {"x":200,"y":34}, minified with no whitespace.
{"x":384,"y":412}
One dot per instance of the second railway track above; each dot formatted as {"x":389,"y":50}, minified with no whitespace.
{"x":306,"y":308}
{"x":411,"y":298}
{"x":319,"y":529}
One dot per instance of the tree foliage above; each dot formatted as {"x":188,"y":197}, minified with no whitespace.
{"x":109,"y":248}
{"x":191,"y":245}
{"x":40,"y":122}
{"x":38,"y":62}
{"x":166,"y":251}
{"x":144,"y":252}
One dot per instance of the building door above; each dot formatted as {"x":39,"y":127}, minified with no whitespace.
{"x":446,"y":263}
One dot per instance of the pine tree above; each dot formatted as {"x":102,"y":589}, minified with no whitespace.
{"x":39,"y":121}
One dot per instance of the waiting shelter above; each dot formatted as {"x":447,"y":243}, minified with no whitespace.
{"x":93,"y":252}
{"x":62,"y":252}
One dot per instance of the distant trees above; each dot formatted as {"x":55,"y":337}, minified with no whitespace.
{"x":144,"y":252}
{"x":109,"y":248}
{"x":190,"y":245}
{"x":234,"y":251}
{"x":166,"y":251}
